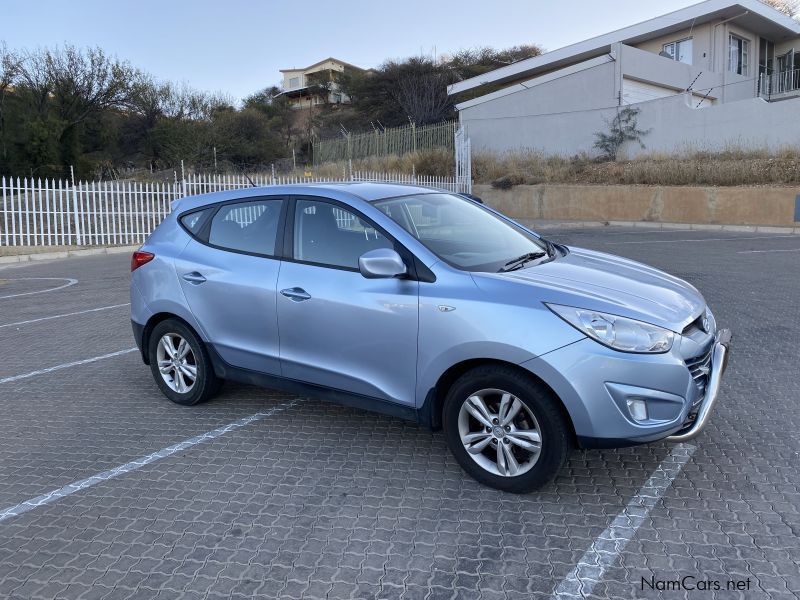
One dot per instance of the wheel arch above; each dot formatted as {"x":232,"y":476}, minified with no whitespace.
{"x":151,"y":324}
{"x":434,"y":401}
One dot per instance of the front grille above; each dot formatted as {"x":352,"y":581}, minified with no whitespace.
{"x":700,"y":368}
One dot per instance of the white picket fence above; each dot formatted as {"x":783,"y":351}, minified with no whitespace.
{"x":50,"y":212}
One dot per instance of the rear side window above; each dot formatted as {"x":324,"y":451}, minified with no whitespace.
{"x":250,"y":227}
{"x":194,"y":220}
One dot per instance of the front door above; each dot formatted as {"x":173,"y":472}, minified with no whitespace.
{"x":337,"y":328}
{"x":229,"y":281}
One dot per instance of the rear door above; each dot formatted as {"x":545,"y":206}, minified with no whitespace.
{"x":337,"y":328}
{"x":228,"y":274}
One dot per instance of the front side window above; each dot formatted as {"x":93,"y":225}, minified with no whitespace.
{"x":328,"y":235}
{"x":250,"y":227}
{"x":680,"y":51}
{"x":739,"y":55}
{"x":461,"y":232}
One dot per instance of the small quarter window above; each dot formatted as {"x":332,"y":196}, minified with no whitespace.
{"x":194,"y":220}
{"x":247,"y":226}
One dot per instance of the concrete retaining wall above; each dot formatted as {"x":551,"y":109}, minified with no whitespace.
{"x":778,"y":206}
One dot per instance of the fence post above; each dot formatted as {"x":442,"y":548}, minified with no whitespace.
{"x":78,"y":236}
{"x":183,"y":181}
{"x":5,"y":211}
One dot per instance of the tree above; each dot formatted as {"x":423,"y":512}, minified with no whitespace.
{"x":65,"y":87}
{"x":419,"y":86}
{"x":623,"y":128}
{"x":10,"y":64}
{"x":790,"y":8}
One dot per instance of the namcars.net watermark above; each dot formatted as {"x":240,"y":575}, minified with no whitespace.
{"x":694,"y":583}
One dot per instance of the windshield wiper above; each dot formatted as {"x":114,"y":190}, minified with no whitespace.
{"x":519,"y":262}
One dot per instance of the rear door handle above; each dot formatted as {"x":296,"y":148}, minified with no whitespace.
{"x":194,"y":277}
{"x":296,"y":294}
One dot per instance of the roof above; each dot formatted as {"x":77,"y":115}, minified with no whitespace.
{"x":751,"y":14}
{"x":324,"y":60}
{"x":370,"y":192}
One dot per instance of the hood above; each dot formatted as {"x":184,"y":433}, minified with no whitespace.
{"x":604,"y":282}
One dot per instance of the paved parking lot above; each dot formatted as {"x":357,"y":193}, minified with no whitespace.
{"x":99,"y":498}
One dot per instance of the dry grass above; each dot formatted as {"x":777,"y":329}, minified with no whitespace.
{"x":726,"y":168}
{"x":436,"y":162}
{"x":729,"y":167}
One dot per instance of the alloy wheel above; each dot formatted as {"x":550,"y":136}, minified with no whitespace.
{"x":499,"y":432}
{"x":176,"y":363}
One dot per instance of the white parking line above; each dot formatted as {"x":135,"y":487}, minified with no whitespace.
{"x":72,"y":314}
{"x":66,"y":365}
{"x":69,"y":281}
{"x":82,"y":484}
{"x":763,"y":251}
{"x":606,"y":549}
{"x":696,"y":240}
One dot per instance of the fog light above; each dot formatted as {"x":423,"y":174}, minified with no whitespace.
{"x":638,"y":409}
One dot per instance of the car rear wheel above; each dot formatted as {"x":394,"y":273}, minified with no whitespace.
{"x":180,"y":364}
{"x":505,"y":429}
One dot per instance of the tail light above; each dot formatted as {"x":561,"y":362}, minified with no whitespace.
{"x":140,"y":258}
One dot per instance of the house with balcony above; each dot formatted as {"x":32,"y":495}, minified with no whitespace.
{"x":316,"y":84}
{"x":710,"y":75}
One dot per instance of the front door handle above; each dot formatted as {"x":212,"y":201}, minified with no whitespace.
{"x":194,"y":277}
{"x":296,"y":294}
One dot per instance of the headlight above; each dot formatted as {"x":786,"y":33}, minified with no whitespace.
{"x":619,"y":333}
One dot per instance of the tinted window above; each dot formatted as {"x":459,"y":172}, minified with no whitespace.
{"x":194,"y":220}
{"x":247,"y":226}
{"x":329,"y":235}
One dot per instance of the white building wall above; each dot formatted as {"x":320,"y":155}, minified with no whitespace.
{"x":673,"y":126}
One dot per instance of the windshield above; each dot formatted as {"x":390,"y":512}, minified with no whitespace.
{"x":460,"y":232}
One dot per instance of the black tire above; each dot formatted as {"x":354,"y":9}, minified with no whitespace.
{"x":555,"y":431}
{"x":205,"y":385}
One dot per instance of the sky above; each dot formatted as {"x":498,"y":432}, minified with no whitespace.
{"x":238,"y":47}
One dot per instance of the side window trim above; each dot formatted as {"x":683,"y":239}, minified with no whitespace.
{"x":204,"y":233}
{"x":288,"y":243}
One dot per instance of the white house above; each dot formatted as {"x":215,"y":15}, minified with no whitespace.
{"x":718,"y":73}
{"x":316,"y":84}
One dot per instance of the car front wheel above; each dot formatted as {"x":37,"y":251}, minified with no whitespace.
{"x":505,"y":429}
{"x":180,"y":364}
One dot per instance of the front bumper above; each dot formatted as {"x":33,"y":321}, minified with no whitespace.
{"x":719,"y":362}
{"x":595,"y":384}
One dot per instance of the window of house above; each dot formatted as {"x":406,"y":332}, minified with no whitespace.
{"x":294,"y":82}
{"x":680,"y":50}
{"x":250,"y":227}
{"x":738,"y":55}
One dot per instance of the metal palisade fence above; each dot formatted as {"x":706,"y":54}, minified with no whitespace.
{"x":50,"y":212}
{"x":385,"y":142}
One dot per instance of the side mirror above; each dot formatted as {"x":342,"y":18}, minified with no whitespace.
{"x":381,"y":263}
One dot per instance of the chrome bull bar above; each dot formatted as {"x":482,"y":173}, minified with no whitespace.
{"x":719,"y":362}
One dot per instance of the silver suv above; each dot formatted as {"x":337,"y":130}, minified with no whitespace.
{"x":428,"y":306}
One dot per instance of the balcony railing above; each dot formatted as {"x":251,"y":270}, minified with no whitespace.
{"x":774,"y":84}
